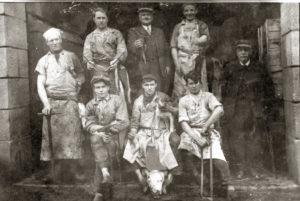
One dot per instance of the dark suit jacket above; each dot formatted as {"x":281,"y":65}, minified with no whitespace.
{"x":251,"y":84}
{"x":156,"y":49}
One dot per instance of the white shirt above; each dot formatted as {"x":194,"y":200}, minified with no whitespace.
{"x":147,"y":28}
{"x":246,"y":64}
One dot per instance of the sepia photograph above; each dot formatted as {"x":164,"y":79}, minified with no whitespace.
{"x":135,"y":100}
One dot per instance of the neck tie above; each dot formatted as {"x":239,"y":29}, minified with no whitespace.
{"x":148,"y":29}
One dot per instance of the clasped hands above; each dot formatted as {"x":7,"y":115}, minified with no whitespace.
{"x":106,"y":136}
{"x":197,"y":136}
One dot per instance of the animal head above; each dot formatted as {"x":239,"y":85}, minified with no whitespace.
{"x":155,"y":181}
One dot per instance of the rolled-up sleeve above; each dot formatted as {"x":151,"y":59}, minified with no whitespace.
{"x":40,"y":67}
{"x":183,"y":115}
{"x":203,"y":29}
{"x":213,"y":102}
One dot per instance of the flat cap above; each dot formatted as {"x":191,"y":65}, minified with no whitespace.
{"x":145,"y":9}
{"x":98,"y":78}
{"x":243,"y":43}
{"x":149,"y":77}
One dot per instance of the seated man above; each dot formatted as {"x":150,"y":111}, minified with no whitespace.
{"x":152,"y":132}
{"x":198,"y":111}
{"x":106,"y":119}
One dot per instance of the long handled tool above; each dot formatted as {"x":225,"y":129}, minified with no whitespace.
{"x":52,"y":161}
{"x":210,"y":174}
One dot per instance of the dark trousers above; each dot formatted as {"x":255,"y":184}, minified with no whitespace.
{"x":246,"y":144}
{"x":220,"y":170}
{"x":104,"y":154}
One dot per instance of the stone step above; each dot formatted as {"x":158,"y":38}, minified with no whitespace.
{"x":246,"y":189}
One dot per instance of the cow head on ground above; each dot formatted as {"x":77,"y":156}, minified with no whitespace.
{"x":158,"y":181}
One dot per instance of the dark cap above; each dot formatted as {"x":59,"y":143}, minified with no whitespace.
{"x":243,"y":43}
{"x":102,"y":78}
{"x":149,"y":77}
{"x":145,"y":9}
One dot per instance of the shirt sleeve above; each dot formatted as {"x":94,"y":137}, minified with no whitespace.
{"x":121,"y":47}
{"x":77,"y":64}
{"x":136,"y":115}
{"x":87,"y":50}
{"x":132,"y":36}
{"x":182,"y":116}
{"x":121,"y":114}
{"x":174,"y":38}
{"x":40,"y":67}
{"x":203,"y":29}
{"x":91,"y":118}
{"x":212,"y":102}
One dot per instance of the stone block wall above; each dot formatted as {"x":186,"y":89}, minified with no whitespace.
{"x":291,"y":84}
{"x":15,"y":143}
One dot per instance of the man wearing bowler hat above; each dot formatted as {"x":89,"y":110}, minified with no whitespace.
{"x":246,"y":96}
{"x":148,"y":50}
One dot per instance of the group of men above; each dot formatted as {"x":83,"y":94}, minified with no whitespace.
{"x":106,"y":119}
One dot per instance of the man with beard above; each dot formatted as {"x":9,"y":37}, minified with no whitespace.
{"x":198,"y":112}
{"x":148,"y":50}
{"x":247,"y":96}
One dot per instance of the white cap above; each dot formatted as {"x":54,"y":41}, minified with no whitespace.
{"x":52,"y":32}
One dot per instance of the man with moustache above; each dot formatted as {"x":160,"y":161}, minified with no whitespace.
{"x":60,"y":75}
{"x":247,"y":98}
{"x":148,"y":50}
{"x":198,"y":112}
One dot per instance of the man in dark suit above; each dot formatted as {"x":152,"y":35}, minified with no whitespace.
{"x":148,"y":51}
{"x":247,"y":98}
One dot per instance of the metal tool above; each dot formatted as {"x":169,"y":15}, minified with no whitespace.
{"x":210,"y":174}
{"x":52,"y":160}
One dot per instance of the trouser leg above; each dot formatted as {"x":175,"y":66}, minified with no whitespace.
{"x":174,"y":142}
{"x":223,"y":169}
{"x":100,"y":151}
{"x":239,"y":149}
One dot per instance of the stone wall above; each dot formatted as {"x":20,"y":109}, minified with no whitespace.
{"x":291,"y":83}
{"x":15,"y":144}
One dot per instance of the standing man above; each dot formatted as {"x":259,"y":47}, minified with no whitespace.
{"x":189,"y":41}
{"x":148,"y":50}
{"x":247,"y":96}
{"x":60,"y":75}
{"x":104,"y":51}
{"x":198,"y":112}
{"x":107,"y":120}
